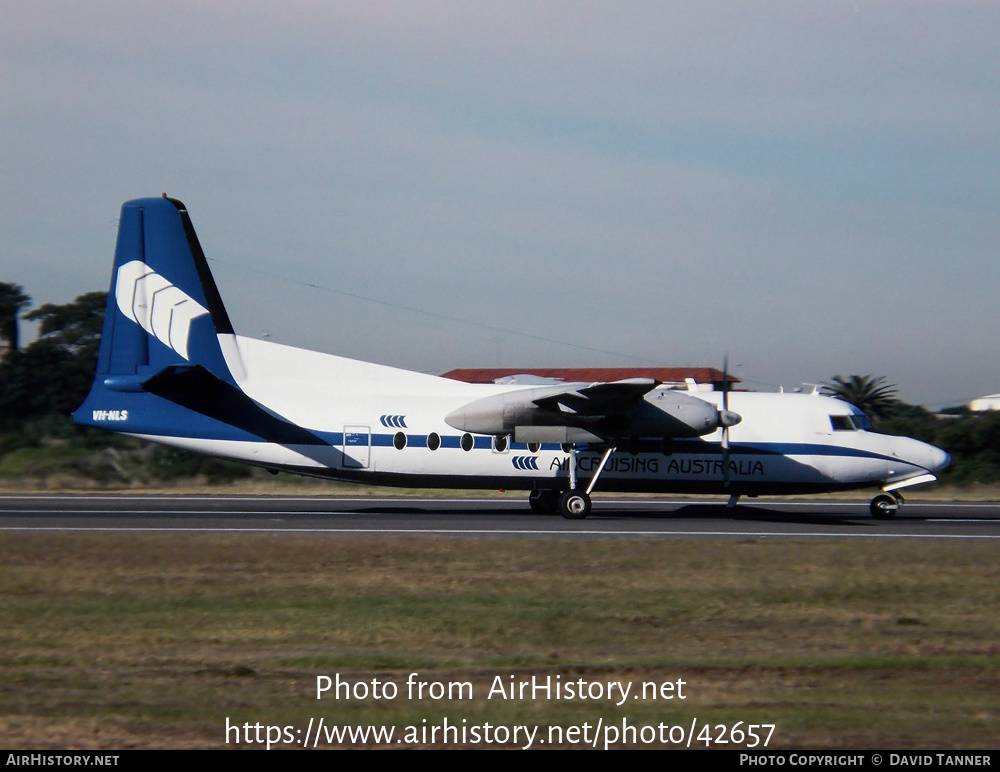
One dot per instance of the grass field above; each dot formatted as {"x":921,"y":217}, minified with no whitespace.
{"x":154,"y":640}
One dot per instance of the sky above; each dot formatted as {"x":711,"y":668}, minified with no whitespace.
{"x":810,"y":188}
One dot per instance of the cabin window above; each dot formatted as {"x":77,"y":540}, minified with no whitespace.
{"x":467,"y":442}
{"x":399,"y":440}
{"x":534,"y":447}
{"x":500,"y":444}
{"x":433,"y":441}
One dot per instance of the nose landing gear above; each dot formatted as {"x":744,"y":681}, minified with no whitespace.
{"x":885,"y":505}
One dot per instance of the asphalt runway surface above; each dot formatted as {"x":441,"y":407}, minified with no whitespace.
{"x":647,"y":516}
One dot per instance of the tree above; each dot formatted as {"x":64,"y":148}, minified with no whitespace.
{"x":12,"y":301}
{"x":868,"y":392}
{"x":53,"y":374}
{"x":74,"y":328}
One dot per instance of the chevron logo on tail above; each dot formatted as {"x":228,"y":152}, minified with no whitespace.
{"x":156,"y":305}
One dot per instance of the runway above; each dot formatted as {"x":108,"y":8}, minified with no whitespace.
{"x":611,"y":517}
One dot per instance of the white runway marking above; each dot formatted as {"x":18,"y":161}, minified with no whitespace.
{"x":512,"y":532}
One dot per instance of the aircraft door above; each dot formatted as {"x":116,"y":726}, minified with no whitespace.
{"x":357,"y":447}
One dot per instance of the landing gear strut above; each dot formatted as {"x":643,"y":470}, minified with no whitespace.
{"x":574,"y":504}
{"x":885,"y":505}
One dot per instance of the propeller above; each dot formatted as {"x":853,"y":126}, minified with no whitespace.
{"x":727,"y":418}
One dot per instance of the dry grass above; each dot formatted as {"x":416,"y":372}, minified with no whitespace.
{"x":152,"y":640}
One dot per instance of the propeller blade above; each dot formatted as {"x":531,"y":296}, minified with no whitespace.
{"x":726,"y":419}
{"x":725,"y":381}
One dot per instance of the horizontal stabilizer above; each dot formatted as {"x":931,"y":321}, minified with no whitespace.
{"x":195,"y":388}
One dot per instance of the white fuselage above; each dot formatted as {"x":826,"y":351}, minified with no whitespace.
{"x":386,"y":426}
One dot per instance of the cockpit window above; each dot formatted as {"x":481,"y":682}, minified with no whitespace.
{"x":862,"y":421}
{"x":850,"y":423}
{"x":842,"y":423}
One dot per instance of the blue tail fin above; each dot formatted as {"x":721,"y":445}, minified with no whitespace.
{"x":163,"y":306}
{"x":162,"y":321}
{"x":161,"y":371}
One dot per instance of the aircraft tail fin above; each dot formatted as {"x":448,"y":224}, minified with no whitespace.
{"x":164,"y":315}
{"x":163,"y":307}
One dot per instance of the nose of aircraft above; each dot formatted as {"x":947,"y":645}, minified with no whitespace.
{"x":930,"y":458}
{"x":939,"y":459}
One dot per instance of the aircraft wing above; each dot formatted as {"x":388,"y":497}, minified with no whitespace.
{"x":588,"y":412}
{"x":596,"y":398}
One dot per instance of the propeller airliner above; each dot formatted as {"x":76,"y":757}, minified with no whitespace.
{"x":172,"y":369}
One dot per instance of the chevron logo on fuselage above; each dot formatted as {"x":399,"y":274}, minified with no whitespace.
{"x":156,"y":305}
{"x":527,"y":463}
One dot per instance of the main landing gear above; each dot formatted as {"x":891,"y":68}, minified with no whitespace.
{"x":573,"y":504}
{"x":885,"y":505}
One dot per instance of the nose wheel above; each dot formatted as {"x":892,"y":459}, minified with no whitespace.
{"x":884,"y":506}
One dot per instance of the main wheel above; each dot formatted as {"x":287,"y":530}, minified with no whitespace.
{"x":883,"y":507}
{"x":574,"y":505}
{"x":544,"y":501}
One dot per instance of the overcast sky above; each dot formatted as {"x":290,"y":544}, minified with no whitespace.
{"x":812,"y":187}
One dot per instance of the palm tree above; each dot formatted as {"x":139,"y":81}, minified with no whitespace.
{"x":12,"y":300}
{"x":870,"y":393}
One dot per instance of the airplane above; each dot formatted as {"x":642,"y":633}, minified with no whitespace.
{"x":172,"y":369}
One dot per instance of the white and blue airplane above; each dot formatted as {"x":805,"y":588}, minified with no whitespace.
{"x":171,"y":369}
